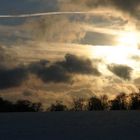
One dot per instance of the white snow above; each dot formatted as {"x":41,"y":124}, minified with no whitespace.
{"x":100,"y":125}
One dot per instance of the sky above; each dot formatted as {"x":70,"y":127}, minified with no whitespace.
{"x":57,"y":50}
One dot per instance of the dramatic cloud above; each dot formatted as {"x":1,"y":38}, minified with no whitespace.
{"x":53,"y":73}
{"x":121,"y":71}
{"x":57,"y":72}
{"x":12,"y":77}
{"x":36,"y":67}
{"x":78,"y":65}
{"x":49,"y":73}
{"x":62,"y":71}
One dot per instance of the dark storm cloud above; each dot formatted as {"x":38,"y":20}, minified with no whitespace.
{"x":12,"y":77}
{"x":36,"y":67}
{"x":63,"y":71}
{"x":49,"y":72}
{"x":121,"y":71}
{"x":78,"y":65}
{"x":57,"y":72}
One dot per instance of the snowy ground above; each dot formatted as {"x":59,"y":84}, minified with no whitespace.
{"x":113,"y":125}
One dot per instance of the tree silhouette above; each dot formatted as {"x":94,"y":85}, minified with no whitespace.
{"x":6,"y":106}
{"x":135,"y":101}
{"x":27,"y":106}
{"x":119,"y":103}
{"x":105,"y":102}
{"x":37,"y":107}
{"x":95,"y":104}
{"x":19,"y":106}
{"x":78,"y":104}
{"x":58,"y":106}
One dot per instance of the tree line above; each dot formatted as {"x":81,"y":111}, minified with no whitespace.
{"x":94,"y":103}
{"x":19,"y":106}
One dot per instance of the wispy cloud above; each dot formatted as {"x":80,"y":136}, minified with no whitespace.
{"x":47,"y":13}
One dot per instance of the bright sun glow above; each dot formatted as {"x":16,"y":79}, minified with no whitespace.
{"x":126,"y":47}
{"x":128,"y":39}
{"x":115,"y":54}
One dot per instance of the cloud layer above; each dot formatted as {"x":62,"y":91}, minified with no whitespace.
{"x":122,"y":71}
{"x":62,"y":71}
{"x":130,"y":7}
{"x":57,"y":72}
{"x":12,"y":77}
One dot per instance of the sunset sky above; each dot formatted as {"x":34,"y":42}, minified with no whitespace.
{"x":62,"y":49}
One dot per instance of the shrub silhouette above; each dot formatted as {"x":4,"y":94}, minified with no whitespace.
{"x":58,"y":106}
{"x":19,"y":106}
{"x":95,"y":103}
{"x":78,"y":104}
{"x":6,"y":106}
{"x":27,"y":106}
{"x":37,"y":107}
{"x":135,"y":101}
{"x":119,"y":103}
{"x":104,"y":102}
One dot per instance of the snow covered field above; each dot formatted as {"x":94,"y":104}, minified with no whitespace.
{"x":112,"y":125}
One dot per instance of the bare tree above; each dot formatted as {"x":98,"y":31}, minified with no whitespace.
{"x":119,"y":103}
{"x":95,"y":103}
{"x":78,"y":104}
{"x":58,"y":106}
{"x":104,"y":101}
{"x":135,"y":101}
